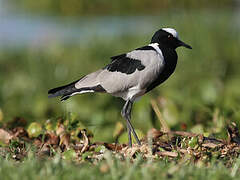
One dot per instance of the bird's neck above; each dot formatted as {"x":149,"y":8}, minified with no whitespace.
{"x":169,"y":53}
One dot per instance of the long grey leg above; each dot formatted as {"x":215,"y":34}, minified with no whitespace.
{"x":129,"y":135}
{"x":129,"y":122}
{"x":126,"y":113}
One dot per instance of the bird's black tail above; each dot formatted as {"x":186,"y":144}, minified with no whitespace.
{"x":64,"y":91}
{"x":70,"y":89}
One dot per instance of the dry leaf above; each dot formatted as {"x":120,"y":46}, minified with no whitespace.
{"x":5,"y":136}
{"x":86,"y":141}
{"x":60,"y":129}
{"x":64,"y":141}
{"x":114,"y":147}
{"x":168,"y":153}
{"x":19,"y":132}
{"x":154,"y":133}
{"x":210,"y":145}
{"x":233,"y":134}
{"x":51,"y":138}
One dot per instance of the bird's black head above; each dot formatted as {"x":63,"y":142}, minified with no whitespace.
{"x":168,"y":37}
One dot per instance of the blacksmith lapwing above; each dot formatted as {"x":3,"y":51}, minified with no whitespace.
{"x":130,"y":75}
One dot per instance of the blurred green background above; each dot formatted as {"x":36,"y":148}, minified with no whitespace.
{"x":46,"y":44}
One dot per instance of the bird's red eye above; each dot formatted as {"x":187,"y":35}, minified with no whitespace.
{"x":170,"y":36}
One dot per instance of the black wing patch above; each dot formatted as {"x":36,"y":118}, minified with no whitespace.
{"x":124,"y":64}
{"x":118,"y":57}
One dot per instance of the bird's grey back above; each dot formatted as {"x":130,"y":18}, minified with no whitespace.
{"x":118,"y":83}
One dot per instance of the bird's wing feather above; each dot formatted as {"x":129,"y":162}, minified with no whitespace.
{"x":122,"y":66}
{"x":134,"y":69}
{"x":125,"y":65}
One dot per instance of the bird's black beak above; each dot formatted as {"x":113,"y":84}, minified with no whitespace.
{"x":184,"y":44}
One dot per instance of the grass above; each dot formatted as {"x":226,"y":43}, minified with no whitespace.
{"x":202,"y":96}
{"x":112,"y":168}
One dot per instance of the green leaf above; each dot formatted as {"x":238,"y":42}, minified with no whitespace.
{"x":193,"y":142}
{"x":34,"y":129}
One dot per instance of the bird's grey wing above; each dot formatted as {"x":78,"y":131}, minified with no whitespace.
{"x":120,"y":63}
{"x":133,"y":70}
{"x":121,"y":68}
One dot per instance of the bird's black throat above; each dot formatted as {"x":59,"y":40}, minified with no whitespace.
{"x":170,"y":58}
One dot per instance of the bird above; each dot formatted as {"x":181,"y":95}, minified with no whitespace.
{"x":130,"y":75}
